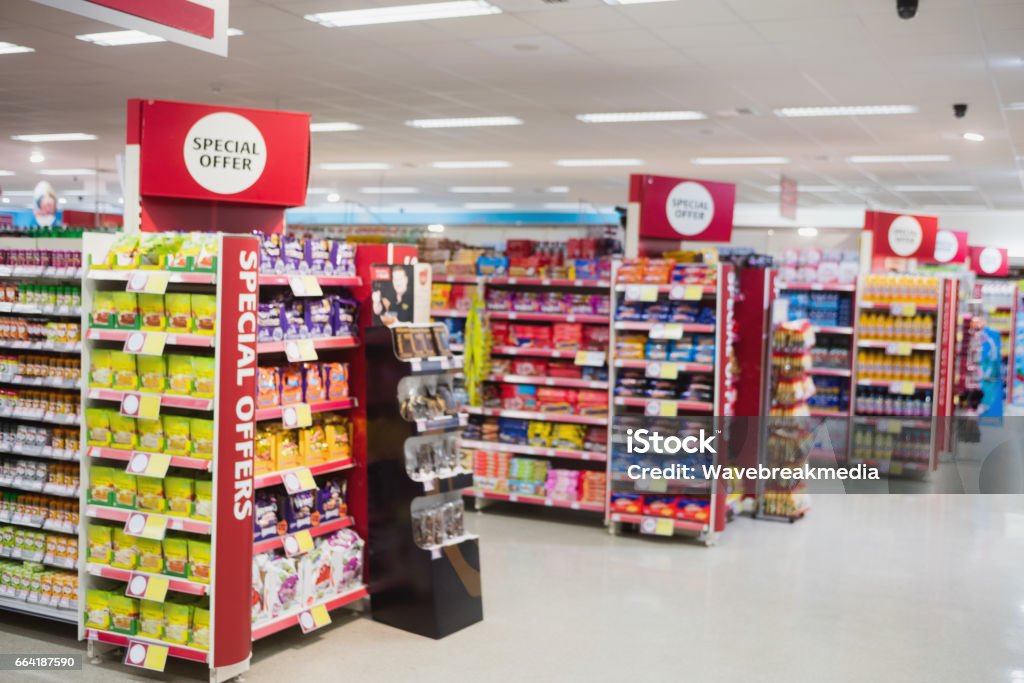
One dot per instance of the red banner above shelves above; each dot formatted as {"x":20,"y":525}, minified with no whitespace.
{"x":683,"y":209}
{"x":991,"y":261}
{"x":950,"y":247}
{"x":902,"y":235}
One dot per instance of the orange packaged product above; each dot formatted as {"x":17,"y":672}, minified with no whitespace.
{"x":268,"y":388}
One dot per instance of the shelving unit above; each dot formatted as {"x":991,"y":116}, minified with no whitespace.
{"x":40,"y":382}
{"x":999,"y":306}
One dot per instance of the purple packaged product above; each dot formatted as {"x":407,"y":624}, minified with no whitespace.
{"x":601,"y":304}
{"x":329,"y":502}
{"x":295,"y":320}
{"x":270,"y":253}
{"x":526,"y":302}
{"x":293,"y":255}
{"x":552,"y":302}
{"x":318,"y":317}
{"x":342,"y":260}
{"x":343,"y":316}
{"x":270,"y":321}
{"x":265,"y":516}
{"x":298,"y":510}
{"x":317,"y":254}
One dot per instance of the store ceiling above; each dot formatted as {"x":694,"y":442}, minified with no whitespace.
{"x":547,"y":62}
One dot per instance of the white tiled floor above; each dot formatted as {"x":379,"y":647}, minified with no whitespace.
{"x":883,"y":588}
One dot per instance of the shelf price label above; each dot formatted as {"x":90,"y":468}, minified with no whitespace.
{"x":899,"y":348}
{"x":647,"y":293}
{"x":146,"y":526}
{"x":297,"y":415}
{"x":656,"y":526}
{"x":659,"y":370}
{"x":149,"y":464}
{"x":148,"y":283}
{"x":146,"y":656}
{"x":147,"y":587}
{"x":890,"y":426}
{"x":305,"y":285}
{"x":300,"y":350}
{"x":656,"y":408}
{"x":298,"y":543}
{"x":298,"y":480}
{"x":906,"y":310}
{"x":314,"y":618}
{"x":680,"y":292}
{"x":905,"y":388}
{"x":141,"y":406}
{"x":590,"y":358}
{"x":652,"y":485}
{"x":666,"y":331}
{"x":146,"y":343}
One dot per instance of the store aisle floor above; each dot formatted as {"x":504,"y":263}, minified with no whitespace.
{"x":886,"y":588}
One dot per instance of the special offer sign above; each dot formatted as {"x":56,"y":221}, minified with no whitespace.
{"x":197,"y":151}
{"x":994,"y":261}
{"x":950,"y":247}
{"x":683,"y":209}
{"x":902,"y":235}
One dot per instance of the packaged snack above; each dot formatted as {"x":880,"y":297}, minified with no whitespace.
{"x":270,"y":321}
{"x":329,"y":502}
{"x":288,"y":453}
{"x":152,"y":373}
{"x":175,"y":556}
{"x":205,"y":370}
{"x":100,"y":544}
{"x":270,"y":253}
{"x":291,"y":385}
{"x":299,"y":510}
{"x":151,"y":494}
{"x":97,"y":609}
{"x":336,"y":433}
{"x":203,"y":508}
{"x":101,"y":485}
{"x":206,"y":259}
{"x":124,"y":489}
{"x":280,"y":586}
{"x":124,"y":251}
{"x":151,"y":619}
{"x":313,"y":383}
{"x":178,"y":308}
{"x":202,"y":438}
{"x":126,"y":377}
{"x":124,"y":614}
{"x":151,"y":557}
{"x":151,"y":435}
{"x":204,"y":313}
{"x":180,"y":377}
{"x":177,"y":622}
{"x":104,"y":315}
{"x":201,"y":628}
{"x":265,"y":454}
{"x":336,"y":380}
{"x":176,"y":431}
{"x":179,"y":495}
{"x":97,"y":426}
{"x":100,"y":372}
{"x":268,"y":388}
{"x":122,"y":431}
{"x":152,"y":312}
{"x":125,"y":553}
{"x":199,"y":561}
{"x":155,"y":247}
{"x":264,"y":516}
{"x":318,"y":317}
{"x":127,"y":306}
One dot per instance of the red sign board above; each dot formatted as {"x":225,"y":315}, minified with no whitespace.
{"x":991,"y":261}
{"x":788,"y":197}
{"x":236,"y":427}
{"x":950,"y":247}
{"x":224,"y":154}
{"x":902,"y":235}
{"x":683,"y":209}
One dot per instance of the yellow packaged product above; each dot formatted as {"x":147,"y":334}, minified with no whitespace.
{"x":151,"y":435}
{"x":122,"y":431}
{"x":178,"y":491}
{"x":104,"y":315}
{"x":313,"y":445}
{"x":125,"y":494}
{"x":181,"y":377}
{"x":151,"y":557}
{"x":124,"y":252}
{"x":203,"y":507}
{"x":337,"y":431}
{"x":127,"y":306}
{"x":288,"y":455}
{"x":201,"y":628}
{"x":179,"y":312}
{"x":151,"y":619}
{"x":100,"y":544}
{"x":176,"y":556}
{"x":204,"y":313}
{"x":205,"y":374}
{"x":176,"y":431}
{"x":97,"y":609}
{"x":199,"y":561}
{"x":97,"y":426}
{"x":152,"y":312}
{"x":101,"y":485}
{"x":151,"y":494}
{"x":126,"y":376}
{"x":152,"y":373}
{"x":202,"y":438}
{"x":177,"y":622}
{"x":124,"y":614}
{"x":265,"y":455}
{"x":101,"y":373}
{"x":125,"y":552}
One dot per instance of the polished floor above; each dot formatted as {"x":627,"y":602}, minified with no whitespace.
{"x":866,"y":588}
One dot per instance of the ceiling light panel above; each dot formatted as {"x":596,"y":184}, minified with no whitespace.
{"x":557,"y":189}
{"x":898,"y":158}
{"x":356,"y":166}
{"x":54,"y":137}
{"x":866,"y":110}
{"x":333,"y":127}
{"x":12,"y":49}
{"x":470,"y":164}
{"x":5,"y":173}
{"x":68,"y":171}
{"x":401,"y":13}
{"x":642,"y":116}
{"x":119,"y":38}
{"x":484,"y":189}
{"x":595,"y":163}
{"x":933,"y":188}
{"x":389,"y":190}
{"x":633,"y":2}
{"x":487,"y":206}
{"x":740,"y":161}
{"x":473,"y":122}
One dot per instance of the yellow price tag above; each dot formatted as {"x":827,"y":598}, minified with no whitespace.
{"x":141,"y":406}
{"x":147,"y":587}
{"x":663,"y":527}
{"x":657,"y":408}
{"x":646,"y":293}
{"x":314,"y":618}
{"x":899,"y":349}
{"x":891,"y":427}
{"x":669,"y":371}
{"x":148,"y":283}
{"x":297,"y":415}
{"x":300,"y":350}
{"x":693,"y":293}
{"x":146,"y":526}
{"x":905,"y":310}
{"x":654,"y":485}
{"x":305,"y":285}
{"x":146,"y":343}
{"x":901,"y":388}
{"x":590,"y":358}
{"x":298,"y":543}
{"x":666,"y":331}
{"x":149,"y":464}
{"x":146,"y":656}
{"x":298,"y":480}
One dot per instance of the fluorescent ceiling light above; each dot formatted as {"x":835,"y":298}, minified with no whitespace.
{"x":389,"y":190}
{"x":319,"y":190}
{"x":1012,"y":106}
{"x":739,"y":161}
{"x":557,"y":189}
{"x":974,"y":137}
{"x":867,"y":110}
{"x":5,"y":200}
{"x":19,"y":193}
{"x":234,"y":32}
{"x":333,"y":127}
{"x":954,"y":207}
{"x":356,"y":166}
{"x":118,"y":38}
{"x":581,"y":163}
{"x":639,"y":116}
{"x":399,"y":13}
{"x":807,"y":232}
{"x":633,"y":2}
{"x":334,"y":197}
{"x":898,"y":158}
{"x":563,"y":206}
{"x":475,"y":122}
{"x":62,"y":200}
{"x":11,"y":49}
{"x":36,"y":158}
{"x":470,"y":164}
{"x":68,"y":171}
{"x":435,"y":227}
{"x":814,"y":188}
{"x":934,"y":188}
{"x":6,"y":172}
{"x":494,"y":189}
{"x":485,"y":206}
{"x":54,"y":137}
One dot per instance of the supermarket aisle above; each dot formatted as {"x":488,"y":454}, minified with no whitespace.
{"x":856,"y":589}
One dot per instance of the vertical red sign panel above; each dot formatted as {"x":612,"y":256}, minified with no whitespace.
{"x":235,"y":420}
{"x":788,"y":197}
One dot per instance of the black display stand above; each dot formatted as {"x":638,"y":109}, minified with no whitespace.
{"x":432,"y":592}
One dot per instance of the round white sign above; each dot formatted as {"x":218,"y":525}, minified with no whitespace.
{"x":138,"y":585}
{"x":905,"y":236}
{"x":136,"y":653}
{"x":946,"y":246}
{"x":689,"y":208}
{"x":225,"y":153}
{"x":990,"y":260}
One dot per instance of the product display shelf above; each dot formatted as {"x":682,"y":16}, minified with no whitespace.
{"x":285,"y":541}
{"x":999,"y":304}
{"x":294,"y":617}
{"x":50,"y":269}
{"x":424,"y":569}
{"x":544,"y":501}
{"x":539,"y":416}
{"x":293,"y":280}
{"x":903,"y":375}
{"x":681,"y":364}
{"x":226,"y":534}
{"x":264,"y":480}
{"x":496,"y":446}
{"x":280,"y":412}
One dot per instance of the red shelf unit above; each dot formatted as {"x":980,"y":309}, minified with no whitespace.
{"x":321,"y":343}
{"x":166,"y":400}
{"x":262,"y":481}
{"x":272,"y":280}
{"x":599,"y":456}
{"x":276,"y":412}
{"x":192,"y":654}
{"x":317,"y":531}
{"x":263,"y":629}
{"x":173,"y":338}
{"x":548,"y":317}
{"x":535,"y":415}
{"x":542,"y":501}
{"x":173,"y":583}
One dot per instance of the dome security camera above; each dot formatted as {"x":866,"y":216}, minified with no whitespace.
{"x":959,"y":110}
{"x":907,"y":9}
